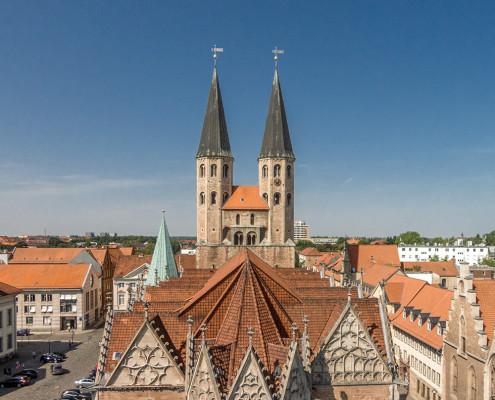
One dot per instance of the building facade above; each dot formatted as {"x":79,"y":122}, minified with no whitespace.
{"x":8,"y":330}
{"x":301,"y":230}
{"x":231,"y":217}
{"x":471,"y":255}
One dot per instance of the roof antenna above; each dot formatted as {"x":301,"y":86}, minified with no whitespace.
{"x":216,"y":50}
{"x":276,"y":52}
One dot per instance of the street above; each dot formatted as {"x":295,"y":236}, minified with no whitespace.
{"x":82,"y":357}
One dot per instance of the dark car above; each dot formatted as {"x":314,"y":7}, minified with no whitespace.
{"x":50,"y":358}
{"x":23,"y":332}
{"x":76,"y":393}
{"x":16,"y":381}
{"x":30,"y":373}
{"x":59,"y":354}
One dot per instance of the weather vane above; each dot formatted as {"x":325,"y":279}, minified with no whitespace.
{"x":277,"y":52}
{"x":216,"y":50}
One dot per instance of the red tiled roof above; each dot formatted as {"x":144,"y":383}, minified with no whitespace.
{"x":377,"y":272}
{"x":127,"y":264}
{"x":186,"y":261}
{"x":442,"y":268}
{"x":310,"y":251}
{"x":245,"y":198}
{"x":41,"y":276}
{"x":44,"y":255}
{"x":485,"y":297}
{"x":127,"y":251}
{"x":362,"y":256}
{"x":6,"y":290}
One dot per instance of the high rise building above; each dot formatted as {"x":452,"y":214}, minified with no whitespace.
{"x":301,"y":230}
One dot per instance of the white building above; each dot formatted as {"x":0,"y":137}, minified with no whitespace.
{"x":8,"y":337}
{"x":301,"y":230}
{"x":471,"y":255}
{"x":128,"y":279}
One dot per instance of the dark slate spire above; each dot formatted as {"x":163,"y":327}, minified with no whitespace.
{"x":276,"y":140}
{"x":214,"y":136}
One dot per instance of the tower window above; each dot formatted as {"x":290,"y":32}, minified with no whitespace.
{"x":238,"y":239}
{"x":289,"y":198}
{"x":251,"y":238}
{"x":202,"y":170}
{"x":252,"y":219}
{"x":265,"y":197}
{"x":213,"y":197}
{"x":265,"y":171}
{"x":214,"y":170}
{"x":276,"y":170}
{"x":225,"y":197}
{"x":202,"y":198}
{"x":289,"y":168}
{"x":237,"y":219}
{"x":225,"y":171}
{"x":276,"y":198}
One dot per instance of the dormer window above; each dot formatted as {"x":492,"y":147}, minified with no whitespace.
{"x":428,"y":326}
{"x":404,"y":314}
{"x":412,"y":317}
{"x":420,"y":321}
{"x":439,"y":330}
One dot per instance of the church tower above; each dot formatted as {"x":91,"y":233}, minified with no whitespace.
{"x":276,"y":169}
{"x":214,"y":162}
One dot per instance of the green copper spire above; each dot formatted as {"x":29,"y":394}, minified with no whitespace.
{"x":163,"y":264}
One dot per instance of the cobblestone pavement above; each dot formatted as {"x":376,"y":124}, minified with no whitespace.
{"x":82,"y":357}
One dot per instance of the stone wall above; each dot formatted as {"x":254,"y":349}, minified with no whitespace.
{"x":214,"y":256}
{"x":354,"y":392}
{"x":140,"y":394}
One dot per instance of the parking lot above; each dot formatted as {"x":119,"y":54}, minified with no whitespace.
{"x":82,"y":357}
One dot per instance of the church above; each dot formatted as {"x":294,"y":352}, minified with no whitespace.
{"x":242,"y":322}
{"x":230,"y":217}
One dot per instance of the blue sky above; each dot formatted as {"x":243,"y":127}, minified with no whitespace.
{"x":390,"y":107}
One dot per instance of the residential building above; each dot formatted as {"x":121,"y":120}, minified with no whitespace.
{"x":231,"y":217}
{"x":469,"y":254}
{"x":54,"y":296}
{"x":8,"y":331}
{"x":308,"y":256}
{"x":324,"y":240}
{"x":373,"y":275}
{"x":363,"y":256}
{"x":330,"y":265}
{"x":442,"y":273}
{"x":128,"y":280}
{"x":469,"y":349}
{"x":301,"y":230}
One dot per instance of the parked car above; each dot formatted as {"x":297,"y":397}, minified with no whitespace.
{"x":77,"y":393}
{"x":23,"y":332}
{"x":16,"y":381}
{"x":50,"y":358}
{"x":85,"y":382}
{"x":30,"y":373}
{"x":59,"y":354}
{"x":56,"y":369}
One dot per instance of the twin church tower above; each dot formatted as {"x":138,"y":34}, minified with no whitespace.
{"x":231,"y":217}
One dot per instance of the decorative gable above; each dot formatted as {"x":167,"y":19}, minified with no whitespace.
{"x":250,"y":382}
{"x":146,"y":362}
{"x":203,"y":383}
{"x":349,"y":355}
{"x":295,"y":384}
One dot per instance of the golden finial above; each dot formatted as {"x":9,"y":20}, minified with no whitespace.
{"x":277,"y":52}
{"x":216,"y":50}
{"x":163,"y":211}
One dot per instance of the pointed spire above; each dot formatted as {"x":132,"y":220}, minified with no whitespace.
{"x":214,"y":136}
{"x":276,"y":140}
{"x":163,"y":263}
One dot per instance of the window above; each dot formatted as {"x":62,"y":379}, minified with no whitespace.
{"x":251,"y":238}
{"x":202,"y":198}
{"x":121,"y":300}
{"x":289,"y":168}
{"x":9,"y":317}
{"x":214,"y":170}
{"x":237,"y":219}
{"x":10,"y":343}
{"x":276,"y":170}
{"x":116,"y":355}
{"x":412,"y":317}
{"x":26,"y":309}
{"x":132,"y":285}
{"x":1,"y":319}
{"x":420,"y":321}
{"x":252,"y":219}
{"x":202,"y":170}
{"x":276,"y":198}
{"x":238,"y":239}
{"x":289,"y":198}
{"x":225,"y":197}
{"x":265,"y":171}
{"x":404,"y":314}
{"x":225,"y":171}
{"x":29,"y":320}
{"x":29,"y":297}
{"x":87,"y":300}
{"x":120,"y":285}
{"x":43,"y":309}
{"x":439,"y":330}
{"x":463,"y":344}
{"x":265,"y":197}
{"x":453,"y":373}
{"x":46,"y":297}
{"x":47,"y":320}
{"x":213,"y":197}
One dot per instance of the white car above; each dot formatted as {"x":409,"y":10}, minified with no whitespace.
{"x":85,"y":382}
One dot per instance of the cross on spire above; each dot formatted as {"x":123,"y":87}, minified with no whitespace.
{"x":216,"y":50}
{"x":277,"y":52}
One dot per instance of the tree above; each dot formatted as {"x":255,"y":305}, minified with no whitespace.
{"x":297,"y":262}
{"x":488,"y":261}
{"x":54,"y":242}
{"x":435,"y":258}
{"x":303,"y":244}
{"x":175,"y":246}
{"x":408,"y":237}
{"x":21,"y":244}
{"x":363,"y":241}
{"x":148,"y":250}
{"x":490,"y":238}
{"x":437,"y":240}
